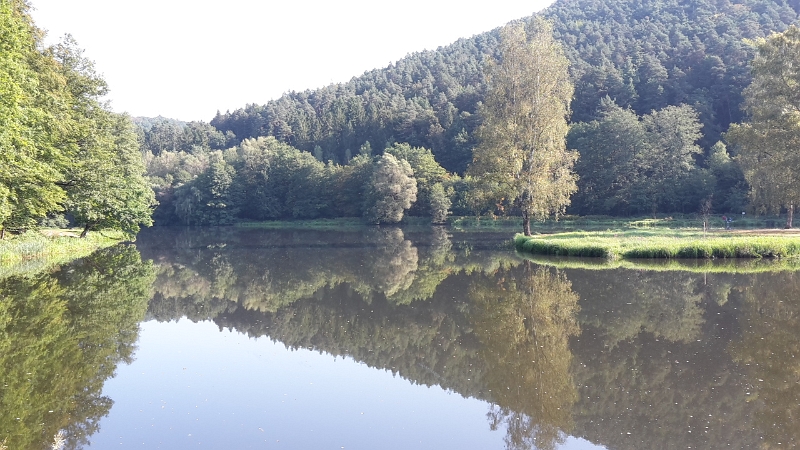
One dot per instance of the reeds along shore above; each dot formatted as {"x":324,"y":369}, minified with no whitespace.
{"x":33,"y":251}
{"x":659,"y":244}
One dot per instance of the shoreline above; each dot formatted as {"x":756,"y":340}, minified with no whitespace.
{"x":35,"y":251}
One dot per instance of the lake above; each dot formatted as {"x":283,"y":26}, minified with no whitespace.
{"x":393,"y":339}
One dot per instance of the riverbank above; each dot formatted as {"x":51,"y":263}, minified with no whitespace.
{"x":34,"y":251}
{"x":664,"y":243}
{"x":514,"y":224}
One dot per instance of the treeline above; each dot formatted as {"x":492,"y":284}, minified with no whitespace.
{"x":265,"y":179}
{"x":64,"y":157}
{"x":656,"y":86}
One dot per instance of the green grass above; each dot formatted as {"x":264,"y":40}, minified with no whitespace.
{"x":601,"y":223}
{"x":502,"y":224}
{"x":33,"y":252}
{"x":659,"y":243}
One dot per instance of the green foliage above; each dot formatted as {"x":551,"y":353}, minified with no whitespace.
{"x":731,"y":188}
{"x":108,"y":188}
{"x":60,"y":147}
{"x":428,"y":174}
{"x":634,"y":165}
{"x":766,"y":145}
{"x":159,"y":135}
{"x":648,"y":77}
{"x":30,"y":157}
{"x":641,"y":70}
{"x":645,"y":55}
{"x":521,"y":157}
{"x":209,"y":199}
{"x":392,"y":189}
{"x":440,"y":203}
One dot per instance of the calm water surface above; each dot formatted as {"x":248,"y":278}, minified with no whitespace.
{"x":237,"y":338}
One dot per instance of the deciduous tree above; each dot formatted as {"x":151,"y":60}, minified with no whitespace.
{"x":767,"y":144}
{"x":521,"y":155}
{"x":392,"y":190}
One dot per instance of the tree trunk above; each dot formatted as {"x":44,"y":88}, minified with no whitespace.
{"x":526,"y":223}
{"x":790,"y":216}
{"x":85,"y":230}
{"x":2,"y":233}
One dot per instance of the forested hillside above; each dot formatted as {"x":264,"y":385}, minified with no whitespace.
{"x":656,"y":85}
{"x":643,"y":54}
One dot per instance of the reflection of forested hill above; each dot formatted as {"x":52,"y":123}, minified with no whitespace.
{"x":680,"y":360}
{"x":653,"y":359}
{"x":432,"y":346}
{"x":667,"y":380}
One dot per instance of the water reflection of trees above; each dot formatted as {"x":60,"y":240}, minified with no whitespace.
{"x":481,"y":312}
{"x":769,"y":350}
{"x":625,"y":303}
{"x":653,"y":370}
{"x":61,"y":336}
{"x":650,"y":359}
{"x":208,"y":275}
{"x":523,"y":318}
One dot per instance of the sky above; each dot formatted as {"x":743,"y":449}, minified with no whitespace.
{"x":188,"y":59}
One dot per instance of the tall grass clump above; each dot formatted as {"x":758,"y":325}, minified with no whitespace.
{"x":33,"y":251}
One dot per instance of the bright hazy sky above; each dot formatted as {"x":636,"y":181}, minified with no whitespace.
{"x":186,"y":59}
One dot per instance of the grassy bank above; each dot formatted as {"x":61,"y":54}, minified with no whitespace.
{"x":34,"y":251}
{"x":660,"y":243}
{"x":730,"y":265}
{"x":602,"y":223}
{"x":514,"y":224}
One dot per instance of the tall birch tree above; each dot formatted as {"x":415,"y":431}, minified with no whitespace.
{"x":767,"y":144}
{"x":521,"y":157}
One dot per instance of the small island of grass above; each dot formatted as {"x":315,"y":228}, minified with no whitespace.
{"x":664,"y":243}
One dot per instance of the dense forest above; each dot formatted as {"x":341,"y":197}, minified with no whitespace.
{"x":63,"y":154}
{"x":657,"y":84}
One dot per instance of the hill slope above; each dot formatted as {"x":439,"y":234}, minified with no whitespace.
{"x":643,"y":54}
